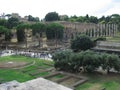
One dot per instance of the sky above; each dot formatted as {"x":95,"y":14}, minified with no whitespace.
{"x":39,"y":8}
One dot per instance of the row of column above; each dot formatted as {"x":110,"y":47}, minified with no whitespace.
{"x":95,"y":30}
{"x":102,"y":30}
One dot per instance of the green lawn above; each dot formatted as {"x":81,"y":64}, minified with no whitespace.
{"x":17,"y":74}
{"x":113,"y":39}
{"x":97,"y":82}
{"x":9,"y":75}
{"x":15,"y":58}
{"x":42,"y":74}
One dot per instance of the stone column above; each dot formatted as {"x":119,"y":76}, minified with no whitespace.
{"x":98,"y":30}
{"x":105,"y":30}
{"x":109,"y":29}
{"x":112,"y":30}
{"x":95,"y":31}
{"x":90,"y":32}
{"x":116,"y":28}
{"x":101,"y":31}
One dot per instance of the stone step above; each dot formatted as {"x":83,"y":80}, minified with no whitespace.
{"x":62,"y":79}
{"x":51,"y":75}
{"x":79,"y":83}
{"x":40,"y":71}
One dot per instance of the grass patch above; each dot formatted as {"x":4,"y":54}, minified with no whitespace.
{"x":84,"y":86}
{"x":97,"y":82}
{"x":42,"y":74}
{"x":15,"y":57}
{"x":11,"y":74}
{"x":111,"y":85}
{"x":113,"y":39}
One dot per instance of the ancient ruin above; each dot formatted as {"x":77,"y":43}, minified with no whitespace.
{"x":90,"y":29}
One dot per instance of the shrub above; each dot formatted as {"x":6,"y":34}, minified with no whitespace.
{"x":81,"y":42}
{"x":70,"y":61}
{"x":88,"y":60}
{"x":100,"y":39}
{"x":62,"y":60}
{"x":110,"y":61}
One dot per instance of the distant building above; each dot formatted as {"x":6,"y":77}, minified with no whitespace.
{"x":63,"y":17}
{"x":16,"y":15}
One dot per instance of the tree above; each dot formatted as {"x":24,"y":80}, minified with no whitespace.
{"x":110,"y":61}
{"x":81,"y":42}
{"x":52,"y":16}
{"x":38,"y":28}
{"x":102,"y":19}
{"x":21,"y":32}
{"x":90,"y":61}
{"x":62,"y":60}
{"x":7,"y":33}
{"x":2,"y":29}
{"x":93,"y":19}
{"x":31,"y":18}
{"x":3,"y":22}
{"x":12,"y":22}
{"x":81,"y":19}
{"x":72,"y":62}
{"x":54,"y":31}
{"x":87,"y":18}
{"x":107,"y":19}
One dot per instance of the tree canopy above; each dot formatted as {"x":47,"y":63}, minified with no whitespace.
{"x":81,"y":42}
{"x":31,"y":18}
{"x":38,"y":29}
{"x":21,"y":31}
{"x":52,"y":16}
{"x":6,"y":31}
{"x":12,"y":22}
{"x":54,"y":31}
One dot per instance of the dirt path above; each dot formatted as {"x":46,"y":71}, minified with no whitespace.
{"x":26,"y":65}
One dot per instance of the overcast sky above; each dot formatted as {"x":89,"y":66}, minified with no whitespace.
{"x":39,"y":8}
